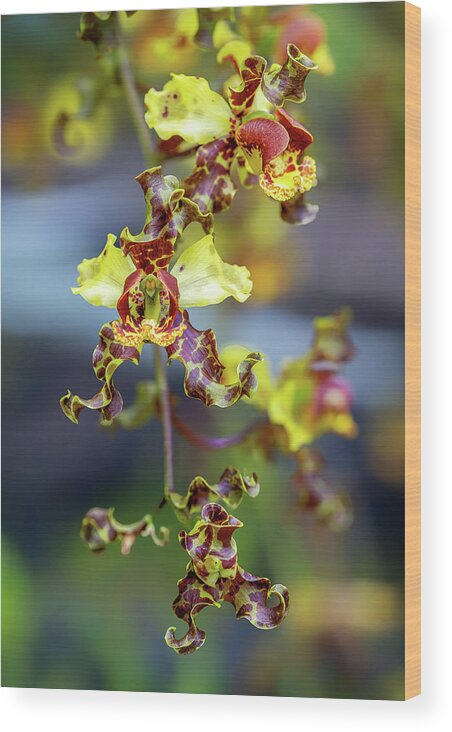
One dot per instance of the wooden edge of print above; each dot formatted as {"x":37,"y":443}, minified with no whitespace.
{"x":412,"y":352}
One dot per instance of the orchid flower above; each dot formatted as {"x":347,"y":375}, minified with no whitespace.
{"x":100,"y":528}
{"x":268,"y":147}
{"x":231,"y":488}
{"x":151,"y":301}
{"x":214,"y":575}
{"x":309,"y":401}
{"x":310,"y":397}
{"x":332,"y":507}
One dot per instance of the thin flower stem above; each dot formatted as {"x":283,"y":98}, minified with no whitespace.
{"x":165,"y":406}
{"x":133,"y":98}
{"x":213,"y":443}
{"x":136,"y":108}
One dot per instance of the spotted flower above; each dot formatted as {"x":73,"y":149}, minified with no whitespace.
{"x":310,"y":397}
{"x":231,"y":488}
{"x":100,"y":528}
{"x":214,"y":575}
{"x":309,"y":401}
{"x":151,"y":301}
{"x":264,"y":145}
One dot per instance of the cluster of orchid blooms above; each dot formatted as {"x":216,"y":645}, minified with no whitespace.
{"x":153,"y":281}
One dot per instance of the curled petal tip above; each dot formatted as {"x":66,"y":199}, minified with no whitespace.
{"x":287,"y":82}
{"x":197,"y":350}
{"x":250,"y":596}
{"x":107,"y":357}
{"x":65,"y":403}
{"x":100,"y":528}
{"x":192,"y":641}
{"x":231,"y":488}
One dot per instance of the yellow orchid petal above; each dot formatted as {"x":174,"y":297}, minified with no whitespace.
{"x":101,"y":279}
{"x":286,"y":407}
{"x":186,"y":24}
{"x":223,"y":33}
{"x":285,"y":177}
{"x":310,"y":402}
{"x":188,"y":107}
{"x":204,"y":279}
{"x":236,"y":51}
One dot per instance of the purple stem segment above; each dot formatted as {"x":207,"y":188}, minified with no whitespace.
{"x":213,"y":443}
{"x":165,"y":407}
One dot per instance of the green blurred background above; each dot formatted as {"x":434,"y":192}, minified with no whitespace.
{"x":74,"y":620}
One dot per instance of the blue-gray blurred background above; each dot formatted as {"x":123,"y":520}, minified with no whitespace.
{"x":74,"y":620}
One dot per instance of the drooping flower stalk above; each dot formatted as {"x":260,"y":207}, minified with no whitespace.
{"x":153,"y":284}
{"x":130,"y":92}
{"x":136,"y":109}
{"x":165,"y":413}
{"x":215,"y":443}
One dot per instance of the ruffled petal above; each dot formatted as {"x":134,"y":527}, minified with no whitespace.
{"x":210,"y":185}
{"x":188,"y":107}
{"x":213,"y":575}
{"x":286,"y":82}
{"x":250,"y":595}
{"x":288,"y":175}
{"x":193,"y":597}
{"x":261,"y":140}
{"x":230,"y":489}
{"x":197,"y":350}
{"x":175,"y":147}
{"x":211,"y":545}
{"x":107,"y":356}
{"x":101,"y":279}
{"x":300,"y":137}
{"x":100,"y":528}
{"x":236,"y":51}
{"x":204,"y":279}
{"x":131,"y":290}
{"x":241,"y":98}
{"x":230,"y":357}
{"x":168,"y":213}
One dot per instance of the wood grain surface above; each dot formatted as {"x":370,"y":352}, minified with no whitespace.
{"x":412,"y":351}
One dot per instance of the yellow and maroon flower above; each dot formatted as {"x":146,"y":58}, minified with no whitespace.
{"x":310,"y":397}
{"x":214,"y":575}
{"x":230,"y":489}
{"x":151,"y":301}
{"x":274,"y":150}
{"x":265,"y":146}
{"x":100,"y":528}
